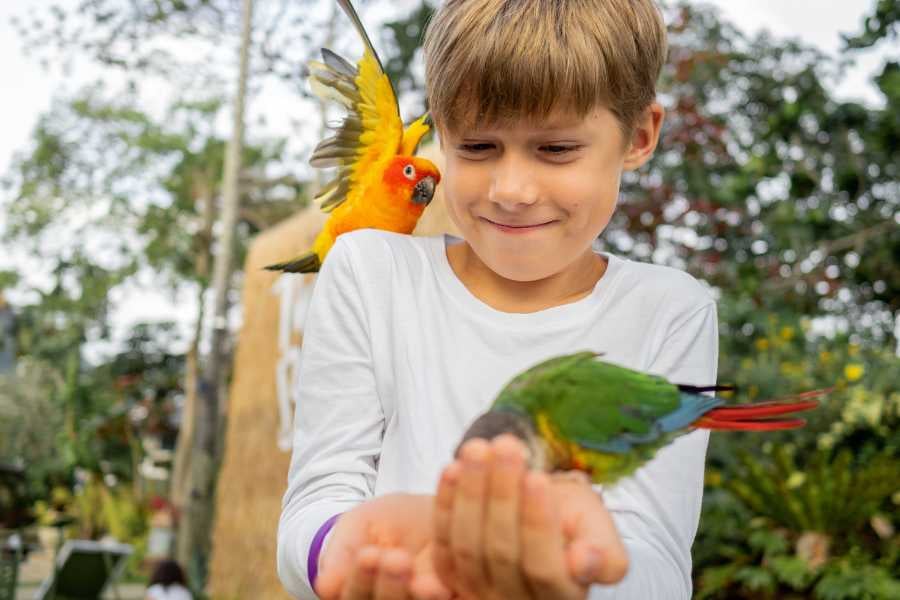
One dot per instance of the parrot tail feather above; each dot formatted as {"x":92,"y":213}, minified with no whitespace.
{"x":708,"y":423}
{"x":759,"y":409}
{"x":307,"y":263}
{"x":754,"y":417}
{"x":697,"y":389}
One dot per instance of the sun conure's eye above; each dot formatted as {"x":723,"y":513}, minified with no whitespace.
{"x":409,"y":172}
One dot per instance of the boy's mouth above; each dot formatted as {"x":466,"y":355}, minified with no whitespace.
{"x":518,"y":228}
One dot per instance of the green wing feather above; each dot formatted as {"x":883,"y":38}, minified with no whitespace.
{"x":588,"y":400}
{"x":601,"y":418}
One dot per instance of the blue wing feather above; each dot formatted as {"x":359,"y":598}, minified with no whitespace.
{"x":692,"y":408}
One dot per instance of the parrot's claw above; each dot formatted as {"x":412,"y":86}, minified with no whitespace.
{"x":577,"y":477}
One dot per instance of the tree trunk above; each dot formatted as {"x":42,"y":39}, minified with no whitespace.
{"x":179,"y":486}
{"x":196,"y":527}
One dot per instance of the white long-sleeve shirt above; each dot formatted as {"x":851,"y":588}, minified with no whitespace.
{"x":398,"y":358}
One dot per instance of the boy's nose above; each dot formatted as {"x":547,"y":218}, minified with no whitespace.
{"x":512,"y":184}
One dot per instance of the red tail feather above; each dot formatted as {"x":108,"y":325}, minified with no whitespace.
{"x":759,"y":409}
{"x":752,"y":417}
{"x":707,"y":423}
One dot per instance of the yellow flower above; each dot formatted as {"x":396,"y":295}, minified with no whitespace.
{"x":791,"y":369}
{"x":787,"y":333}
{"x":826,"y":441}
{"x":796,"y":479}
{"x":825,"y":356}
{"x":854,"y":371}
{"x":762,"y":344}
{"x":713,"y":478}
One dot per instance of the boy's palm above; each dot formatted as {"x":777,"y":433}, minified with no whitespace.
{"x":394,"y":521}
{"x":405,"y":522}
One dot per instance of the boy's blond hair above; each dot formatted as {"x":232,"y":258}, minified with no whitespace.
{"x":493,"y":61}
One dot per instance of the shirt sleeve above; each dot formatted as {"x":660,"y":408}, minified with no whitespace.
{"x":338,"y":422}
{"x":657,"y":510}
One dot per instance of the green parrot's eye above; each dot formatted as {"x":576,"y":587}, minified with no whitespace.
{"x":409,"y":172}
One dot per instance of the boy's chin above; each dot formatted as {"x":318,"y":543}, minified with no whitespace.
{"x":521,"y":271}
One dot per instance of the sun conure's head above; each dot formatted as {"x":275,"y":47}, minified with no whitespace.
{"x":518,"y":423}
{"x":416,"y":176}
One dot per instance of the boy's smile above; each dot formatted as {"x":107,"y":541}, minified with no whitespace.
{"x":530,"y":199}
{"x":515,"y":229}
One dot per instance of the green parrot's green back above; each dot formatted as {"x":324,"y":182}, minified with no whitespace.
{"x":594,"y":415}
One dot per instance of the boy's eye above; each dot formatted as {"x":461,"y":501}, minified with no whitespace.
{"x":558,"y":150}
{"x":475,"y":147}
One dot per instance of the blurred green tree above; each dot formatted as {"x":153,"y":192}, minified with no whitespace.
{"x":785,"y":200}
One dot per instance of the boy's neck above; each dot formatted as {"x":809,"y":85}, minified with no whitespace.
{"x":506,"y":295}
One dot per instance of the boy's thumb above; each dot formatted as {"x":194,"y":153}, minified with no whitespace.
{"x":331,"y":577}
{"x":589,"y":563}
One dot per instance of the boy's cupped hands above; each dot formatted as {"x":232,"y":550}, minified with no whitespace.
{"x":493,"y":531}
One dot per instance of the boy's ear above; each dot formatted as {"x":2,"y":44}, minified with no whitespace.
{"x":644,"y":137}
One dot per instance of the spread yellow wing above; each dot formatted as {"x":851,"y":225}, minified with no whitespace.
{"x":371,"y":132}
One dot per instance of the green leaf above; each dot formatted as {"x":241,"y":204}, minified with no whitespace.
{"x":792,"y":571}
{"x":756,"y":579}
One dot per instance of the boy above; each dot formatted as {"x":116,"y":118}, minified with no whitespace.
{"x":539,"y":106}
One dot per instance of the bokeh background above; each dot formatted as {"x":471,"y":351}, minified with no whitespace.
{"x":777,"y":183}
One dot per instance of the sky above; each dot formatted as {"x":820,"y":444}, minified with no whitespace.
{"x":27,"y":90}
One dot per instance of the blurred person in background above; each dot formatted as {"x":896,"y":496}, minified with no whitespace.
{"x":168,"y":583}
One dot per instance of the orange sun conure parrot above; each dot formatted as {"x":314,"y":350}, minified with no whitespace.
{"x":575,"y":412}
{"x":379,"y":183}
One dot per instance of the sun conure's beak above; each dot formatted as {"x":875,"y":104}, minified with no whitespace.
{"x":424,"y":191}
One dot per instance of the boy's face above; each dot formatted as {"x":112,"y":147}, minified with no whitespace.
{"x":530,"y":198}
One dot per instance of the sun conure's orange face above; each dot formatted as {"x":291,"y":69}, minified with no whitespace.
{"x":412,"y":179}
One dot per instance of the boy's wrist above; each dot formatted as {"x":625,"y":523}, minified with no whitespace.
{"x":317,"y":549}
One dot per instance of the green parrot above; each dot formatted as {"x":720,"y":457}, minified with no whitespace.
{"x":575,"y":412}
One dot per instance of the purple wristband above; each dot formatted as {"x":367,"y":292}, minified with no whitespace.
{"x":312,"y":561}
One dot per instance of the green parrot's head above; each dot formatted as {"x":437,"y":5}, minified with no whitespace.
{"x":514,"y":422}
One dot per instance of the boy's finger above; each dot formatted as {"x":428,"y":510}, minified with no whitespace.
{"x":466,"y":535}
{"x":394,"y":572}
{"x":597,"y":554}
{"x":589,"y":564}
{"x":361,"y":581}
{"x":501,"y":531}
{"x":329,"y":584}
{"x":425,"y":584}
{"x":443,"y":519}
{"x":543,"y":548}
{"x":331,"y":577}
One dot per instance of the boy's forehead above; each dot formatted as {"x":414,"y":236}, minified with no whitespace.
{"x":556,"y":120}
